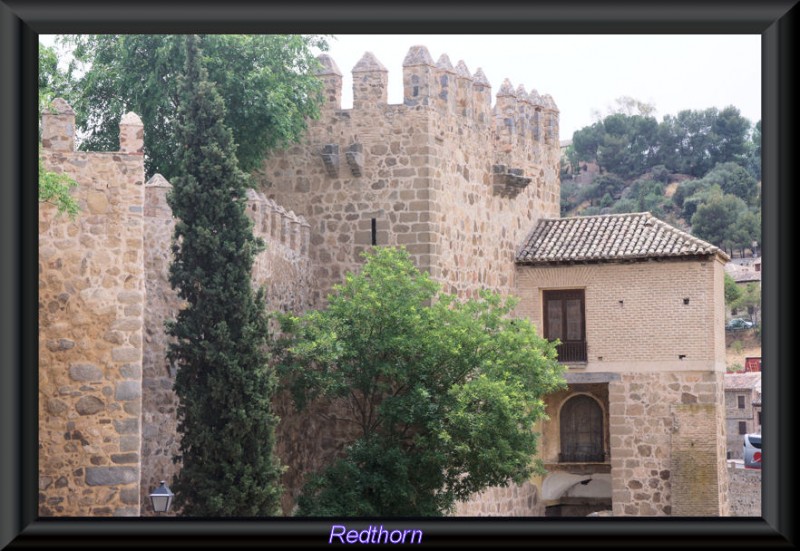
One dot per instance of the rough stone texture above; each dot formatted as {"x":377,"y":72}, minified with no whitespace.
{"x":426,"y":179}
{"x":697,"y":487}
{"x":744,"y":492}
{"x":511,"y":501}
{"x":85,"y":264}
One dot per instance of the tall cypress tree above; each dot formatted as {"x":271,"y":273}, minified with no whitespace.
{"x":224,"y":381}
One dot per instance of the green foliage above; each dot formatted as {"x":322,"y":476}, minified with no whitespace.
{"x":265,"y":81}
{"x":694,"y":141}
{"x":444,"y":393}
{"x":736,"y":368}
{"x":732,"y":291}
{"x":622,"y":144}
{"x":54,"y":188}
{"x":715,"y":220}
{"x":734,"y":179}
{"x":737,"y":347}
{"x":53,"y":82}
{"x":750,"y":301}
{"x":224,"y":382}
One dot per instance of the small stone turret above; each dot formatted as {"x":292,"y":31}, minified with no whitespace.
{"x":505,"y":113}
{"x":131,"y":134}
{"x":481,"y":97}
{"x":370,"y":80}
{"x":418,"y":76}
{"x":550,"y":120}
{"x":331,"y":78}
{"x":464,"y":95}
{"x":447,"y":87}
{"x":58,"y":126}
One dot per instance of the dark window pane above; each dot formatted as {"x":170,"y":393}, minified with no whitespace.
{"x":574,"y":320}
{"x":554,"y":319}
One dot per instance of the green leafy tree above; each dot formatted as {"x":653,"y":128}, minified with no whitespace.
{"x":443,"y":394}
{"x":732,"y":291}
{"x":265,"y":81}
{"x":730,"y":131}
{"x":54,"y":187}
{"x":754,"y":155}
{"x":750,"y":300}
{"x":734,"y":179}
{"x":224,"y":381}
{"x":716,"y":219}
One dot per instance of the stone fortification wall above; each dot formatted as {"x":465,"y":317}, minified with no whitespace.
{"x":667,"y":442}
{"x":282,"y":268}
{"x":456,"y":182}
{"x":744,"y":492}
{"x":91,"y":298}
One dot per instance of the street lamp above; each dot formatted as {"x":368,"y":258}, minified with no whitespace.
{"x":161,"y":498}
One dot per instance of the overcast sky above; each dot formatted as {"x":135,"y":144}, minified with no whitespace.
{"x":584,"y":73}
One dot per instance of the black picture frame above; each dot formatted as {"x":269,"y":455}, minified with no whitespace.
{"x":21,"y":23}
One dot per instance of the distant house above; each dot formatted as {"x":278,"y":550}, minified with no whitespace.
{"x":638,"y":308}
{"x":742,"y":409}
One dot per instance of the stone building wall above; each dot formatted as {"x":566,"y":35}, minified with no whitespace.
{"x":514,"y":500}
{"x":455,"y":181}
{"x":91,"y":298}
{"x":637,"y":327}
{"x":667,"y":444}
{"x":744,"y":492}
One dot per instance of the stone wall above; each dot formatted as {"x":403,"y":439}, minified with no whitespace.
{"x":455,"y":181}
{"x":282,"y":268}
{"x":91,"y":298}
{"x":667,"y":444}
{"x":744,"y":492}
{"x":509,"y":501}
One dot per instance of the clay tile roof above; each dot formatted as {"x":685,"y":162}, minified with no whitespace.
{"x":743,"y":381}
{"x":610,"y":237}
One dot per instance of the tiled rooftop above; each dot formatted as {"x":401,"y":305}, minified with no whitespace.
{"x":743,"y":381}
{"x":609,"y":237}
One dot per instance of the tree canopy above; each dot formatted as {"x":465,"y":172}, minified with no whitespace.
{"x":224,"y":382}
{"x":444,"y":394}
{"x":265,"y":81}
{"x":54,"y":188}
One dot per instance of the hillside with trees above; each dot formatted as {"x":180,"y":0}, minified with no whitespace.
{"x":698,"y":170}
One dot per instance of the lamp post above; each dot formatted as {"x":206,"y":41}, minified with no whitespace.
{"x":161,"y":498}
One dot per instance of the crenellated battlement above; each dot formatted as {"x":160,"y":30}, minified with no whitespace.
{"x":518,"y":119}
{"x":276,"y":225}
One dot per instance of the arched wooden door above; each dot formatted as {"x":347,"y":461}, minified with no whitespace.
{"x":581,"y":431}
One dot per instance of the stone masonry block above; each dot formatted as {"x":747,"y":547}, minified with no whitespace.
{"x":111,"y":476}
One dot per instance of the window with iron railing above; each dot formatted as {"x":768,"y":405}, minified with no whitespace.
{"x":581,"y":420}
{"x":565,"y":319}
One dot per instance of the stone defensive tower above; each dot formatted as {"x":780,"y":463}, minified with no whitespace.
{"x":456,"y":181}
